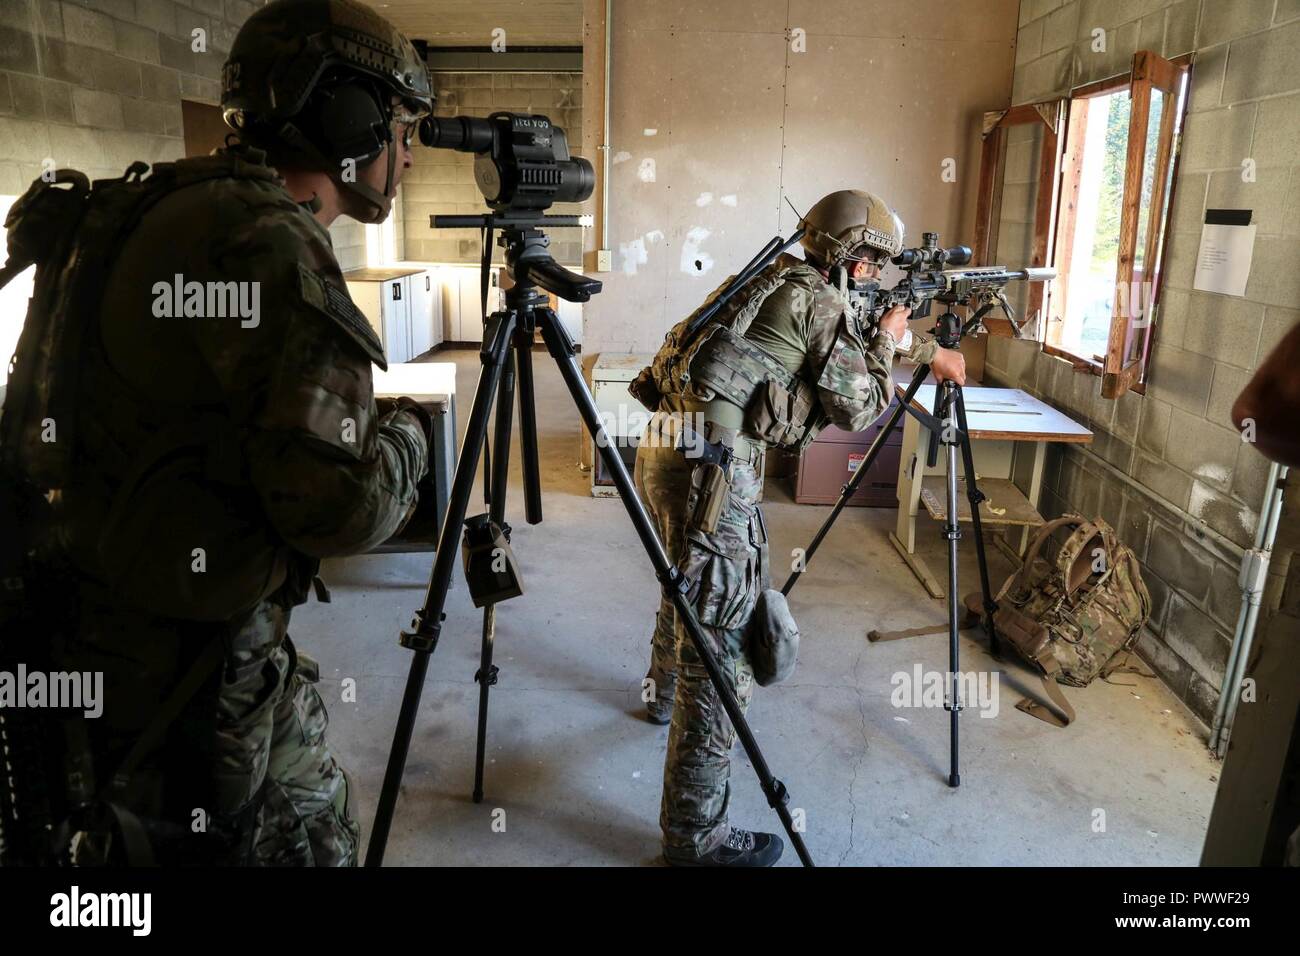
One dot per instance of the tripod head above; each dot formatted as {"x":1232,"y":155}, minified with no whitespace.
{"x":527,"y":258}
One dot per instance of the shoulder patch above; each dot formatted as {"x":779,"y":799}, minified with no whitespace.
{"x":332,"y":301}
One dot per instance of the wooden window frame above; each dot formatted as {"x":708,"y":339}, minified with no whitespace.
{"x":1071,"y":167}
{"x":1149,"y":71}
{"x":1057,"y":199}
{"x":1047,"y":114}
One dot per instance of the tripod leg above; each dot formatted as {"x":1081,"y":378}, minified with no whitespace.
{"x":498,"y":478}
{"x":851,"y":488}
{"x":932,"y":452}
{"x":952,"y":531}
{"x":561,"y":349}
{"x":423,"y":639}
{"x":528,"y":429}
{"x":975,"y":496}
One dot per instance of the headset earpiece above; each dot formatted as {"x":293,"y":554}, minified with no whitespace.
{"x":352,"y":122}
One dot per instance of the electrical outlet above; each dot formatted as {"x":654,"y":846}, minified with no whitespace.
{"x":604,"y":260}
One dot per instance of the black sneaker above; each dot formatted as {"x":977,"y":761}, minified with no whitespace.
{"x":740,"y":848}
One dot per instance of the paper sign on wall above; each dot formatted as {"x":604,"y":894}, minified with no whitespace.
{"x":1227,"y":243}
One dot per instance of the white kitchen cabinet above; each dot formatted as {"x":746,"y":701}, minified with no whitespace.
{"x":425,"y":308}
{"x":417,"y":306}
{"x":463,"y":295}
{"x":384,"y":296}
{"x":397,"y":319}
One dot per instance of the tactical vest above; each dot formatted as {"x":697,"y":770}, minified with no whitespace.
{"x":72,"y":231}
{"x":718,"y":362}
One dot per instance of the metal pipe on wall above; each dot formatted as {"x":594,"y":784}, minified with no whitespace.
{"x":1253,"y":578}
{"x":605,"y":147}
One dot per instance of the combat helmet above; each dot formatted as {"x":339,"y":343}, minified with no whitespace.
{"x":840,"y":224}
{"x":315,"y":80}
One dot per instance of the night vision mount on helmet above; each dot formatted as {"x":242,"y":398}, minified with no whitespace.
{"x":322,"y":81}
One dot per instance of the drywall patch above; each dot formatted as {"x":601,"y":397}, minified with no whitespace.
{"x":622,"y":156}
{"x":633,"y":254}
{"x":651,"y":131}
{"x":729,"y":199}
{"x":646,"y":172}
{"x":704,"y":199}
{"x":695,"y":261}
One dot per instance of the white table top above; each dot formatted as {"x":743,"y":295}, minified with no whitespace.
{"x":1008,"y":413}
{"x":422,"y":381}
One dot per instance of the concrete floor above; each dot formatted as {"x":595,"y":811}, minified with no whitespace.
{"x":578,"y":774}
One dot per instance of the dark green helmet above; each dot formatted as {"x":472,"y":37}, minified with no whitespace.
{"x":320,"y":82}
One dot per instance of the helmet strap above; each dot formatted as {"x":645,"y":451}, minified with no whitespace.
{"x":839,"y":277}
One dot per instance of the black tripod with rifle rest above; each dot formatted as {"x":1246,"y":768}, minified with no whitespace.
{"x":506,"y":359}
{"x":948,"y":427}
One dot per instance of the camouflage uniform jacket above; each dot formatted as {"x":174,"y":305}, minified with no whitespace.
{"x":287,"y":456}
{"x":218,"y":458}
{"x":813,"y":330}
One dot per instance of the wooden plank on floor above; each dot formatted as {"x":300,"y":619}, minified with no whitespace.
{"x":918,"y":566}
{"x":1000,"y":493}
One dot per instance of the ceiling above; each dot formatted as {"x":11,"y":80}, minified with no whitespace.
{"x":471,"y":22}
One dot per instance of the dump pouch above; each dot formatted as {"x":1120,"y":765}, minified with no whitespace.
{"x":773,"y":638}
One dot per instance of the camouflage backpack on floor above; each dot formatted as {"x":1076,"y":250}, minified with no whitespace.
{"x":1073,"y":614}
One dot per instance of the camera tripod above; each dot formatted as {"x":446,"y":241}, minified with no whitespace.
{"x":947,"y":427}
{"x":507,"y":373}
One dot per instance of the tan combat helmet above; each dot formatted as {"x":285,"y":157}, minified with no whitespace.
{"x":840,"y":224}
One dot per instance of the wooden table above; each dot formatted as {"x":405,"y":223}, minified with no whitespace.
{"x":1009,"y":431}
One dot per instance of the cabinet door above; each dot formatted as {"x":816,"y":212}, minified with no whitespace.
{"x":397,"y":320}
{"x":437,"y":328}
{"x":570,"y":315}
{"x":422,"y":297}
{"x":471,"y":309}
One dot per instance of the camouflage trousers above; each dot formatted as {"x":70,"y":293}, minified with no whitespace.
{"x":663,"y":480}
{"x":271,"y":752}
{"x":728,"y":570}
{"x":246,"y":775}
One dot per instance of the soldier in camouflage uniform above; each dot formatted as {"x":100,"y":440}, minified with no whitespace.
{"x":220,"y":458}
{"x":797,"y":326}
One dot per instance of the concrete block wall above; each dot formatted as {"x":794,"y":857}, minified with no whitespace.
{"x":442,"y":180}
{"x":1167,"y":468}
{"x":1015,"y":238}
{"x":98,"y":84}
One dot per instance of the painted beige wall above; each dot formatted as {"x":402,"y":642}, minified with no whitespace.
{"x":881,"y":96}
